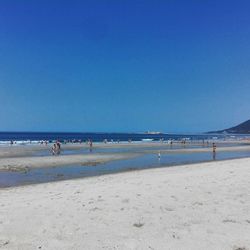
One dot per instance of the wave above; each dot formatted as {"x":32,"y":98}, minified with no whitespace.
{"x":26,"y":142}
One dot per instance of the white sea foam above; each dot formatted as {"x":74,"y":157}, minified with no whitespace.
{"x":22,"y":142}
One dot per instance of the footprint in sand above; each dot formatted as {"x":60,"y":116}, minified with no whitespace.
{"x":125,"y":201}
{"x":229,"y":221}
{"x":173,"y":197}
{"x":197,"y":203}
{"x":175,"y":236}
{"x":169,"y":209}
{"x":94,"y":209}
{"x":4,"y":243}
{"x":138,"y":224}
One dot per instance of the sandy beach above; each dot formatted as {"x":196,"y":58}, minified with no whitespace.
{"x":124,"y":125}
{"x":23,"y":158}
{"x":199,"y":206}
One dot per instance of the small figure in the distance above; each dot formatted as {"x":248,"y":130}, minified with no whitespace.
{"x":214,"y":148}
{"x":159,"y":155}
{"x":214,"y":151}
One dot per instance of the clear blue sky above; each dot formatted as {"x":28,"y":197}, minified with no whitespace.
{"x":172,"y":66}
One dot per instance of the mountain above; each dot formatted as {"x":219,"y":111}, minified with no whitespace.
{"x":243,"y":128}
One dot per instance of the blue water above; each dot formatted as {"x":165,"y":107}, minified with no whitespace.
{"x":97,"y":137}
{"x":41,"y":175}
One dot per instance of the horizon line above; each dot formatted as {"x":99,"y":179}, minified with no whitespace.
{"x":99,"y":132}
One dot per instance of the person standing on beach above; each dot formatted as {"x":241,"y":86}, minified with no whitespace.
{"x":53,"y":149}
{"x":214,"y":151}
{"x":159,"y":155}
{"x":214,"y":148}
{"x":90,"y":145}
{"x":58,"y":147}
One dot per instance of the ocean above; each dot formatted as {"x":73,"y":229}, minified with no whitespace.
{"x":35,"y":137}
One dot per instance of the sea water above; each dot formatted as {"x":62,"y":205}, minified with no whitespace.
{"x":36,"y":137}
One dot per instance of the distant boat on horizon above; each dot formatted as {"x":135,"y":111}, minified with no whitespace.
{"x":153,"y":132}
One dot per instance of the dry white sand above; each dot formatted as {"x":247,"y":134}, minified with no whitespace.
{"x":200,"y":206}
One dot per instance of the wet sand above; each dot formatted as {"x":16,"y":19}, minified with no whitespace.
{"x":25,"y":163}
{"x":22,"y":158}
{"x":201,"y":206}
{"x":32,"y":150}
{"x":201,"y":150}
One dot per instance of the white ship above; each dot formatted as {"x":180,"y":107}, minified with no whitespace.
{"x":153,"y":132}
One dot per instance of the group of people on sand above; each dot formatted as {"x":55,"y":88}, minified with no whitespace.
{"x":44,"y":143}
{"x":56,"y":149}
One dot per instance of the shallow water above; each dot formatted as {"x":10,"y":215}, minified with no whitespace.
{"x":8,"y":179}
{"x":137,"y":149}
